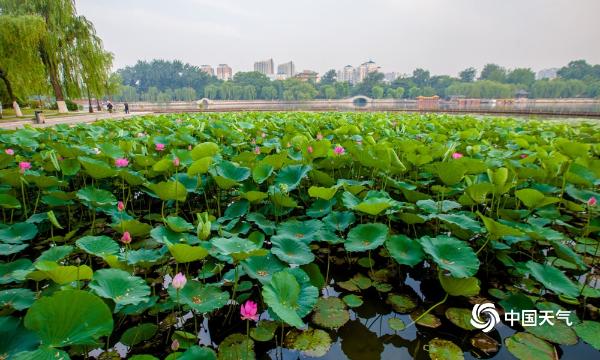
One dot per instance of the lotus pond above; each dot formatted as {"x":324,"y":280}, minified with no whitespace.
{"x":294,"y":235}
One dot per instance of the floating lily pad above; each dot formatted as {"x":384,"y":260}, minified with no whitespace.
{"x":262,"y":268}
{"x":460,"y":317}
{"x":401,"y":303}
{"x":553,"y":279}
{"x":428,"y":320}
{"x":236,"y":347}
{"x":330,"y":313}
{"x":559,"y":332}
{"x":525,"y":346}
{"x":353,"y":300}
{"x":199,"y":297}
{"x":138,"y":334}
{"x":264,"y":330}
{"x":311,"y":342}
{"x":440,"y":349}
{"x":396,"y":324}
{"x":588,"y":331}
{"x":459,"y":286}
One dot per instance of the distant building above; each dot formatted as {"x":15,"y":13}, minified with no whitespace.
{"x":224,"y":72}
{"x":547,"y":74}
{"x":207,"y":69}
{"x":365,"y":69}
{"x":264,"y":67}
{"x":286,"y":70}
{"x":390,"y":76}
{"x":346,"y":74}
{"x":307,"y":75}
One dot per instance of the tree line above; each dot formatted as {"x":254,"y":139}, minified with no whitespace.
{"x":164,"y":81}
{"x":47,"y":48}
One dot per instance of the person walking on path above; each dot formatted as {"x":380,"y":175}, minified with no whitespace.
{"x":126,"y":108}
{"x":109,"y":106}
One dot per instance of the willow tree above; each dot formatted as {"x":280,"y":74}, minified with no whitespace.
{"x":60,"y":49}
{"x":20,"y":67}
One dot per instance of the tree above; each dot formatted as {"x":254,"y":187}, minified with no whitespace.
{"x":493,"y":72}
{"x":253,"y":78}
{"x":295,"y":89}
{"x":579,"y":70}
{"x":468,"y":74}
{"x":421,"y":77}
{"x":60,"y":48}
{"x":268,"y":92}
{"x":366,"y":86}
{"x":211,"y":91}
{"x":249,"y":92}
{"x":21,"y":70}
{"x":329,"y":77}
{"x":329,"y":92}
{"x":377,"y":92}
{"x":521,"y":76}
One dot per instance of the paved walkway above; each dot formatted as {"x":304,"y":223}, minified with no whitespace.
{"x":73,"y":119}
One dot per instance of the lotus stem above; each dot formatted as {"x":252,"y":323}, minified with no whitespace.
{"x":429,"y":310}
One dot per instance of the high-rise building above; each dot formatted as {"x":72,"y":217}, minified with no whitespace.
{"x":365,"y":69}
{"x":264,"y":67}
{"x":287,"y":69}
{"x":224,"y":72}
{"x":207,"y":69}
{"x":346,"y":74}
{"x":307,"y":75}
{"x":390,"y":76}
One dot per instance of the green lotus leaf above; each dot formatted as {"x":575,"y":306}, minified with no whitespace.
{"x":120,"y":286}
{"x":459,"y":286}
{"x":460,"y":317}
{"x":165,"y":235}
{"x":199,"y":297}
{"x":396,"y":324}
{"x":444,"y":349}
{"x":525,"y":346}
{"x":261,"y":172}
{"x":401,"y":303}
{"x":18,"y":299}
{"x":42,"y":354}
{"x":200,"y":166}
{"x":134,"y":227}
{"x":534,"y":199}
{"x":373,"y":206}
{"x":9,"y":249}
{"x":311,"y":342}
{"x":366,"y":237}
{"x":184,"y":253}
{"x":262,"y":268}
{"x":322,"y":192}
{"x":56,"y":253}
{"x":437,"y":207}
{"x":559,"y":332}
{"x":330,"y":313}
{"x":69,"y":317}
{"x":163,"y":165}
{"x":254,"y":196}
{"x":236,"y":347}
{"x":282,"y":295}
{"x":98,"y":245}
{"x":498,"y":178}
{"x":232,"y":171}
{"x":238,"y":248}
{"x":169,"y":190}
{"x":198,"y":353}
{"x":12,"y":271}
{"x":96,"y":168}
{"x":264,"y":330}
{"x":280,"y":199}
{"x":588,"y":331}
{"x":63,"y":274}
{"x":236,"y":210}
{"x":404,"y":250}
{"x":14,"y":338}
{"x":9,"y":202}
{"x":370,"y":345}
{"x":429,"y":320}
{"x":452,"y":255}
{"x":572,"y":149}
{"x":352,"y":300}
{"x":147,"y":357}
{"x":17,"y":233}
{"x":305,"y":231}
{"x":178,"y":224}
{"x":314,"y":274}
{"x":451,"y":173}
{"x":94,"y":197}
{"x":290,"y":176}
{"x":478,"y":192}
{"x":204,"y":149}
{"x":553,"y":279}
{"x":137,"y":334}
{"x":462,"y":221}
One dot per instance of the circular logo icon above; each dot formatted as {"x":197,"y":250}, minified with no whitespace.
{"x":487,"y":310}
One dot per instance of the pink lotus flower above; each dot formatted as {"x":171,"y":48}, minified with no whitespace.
{"x":120,"y":206}
{"x":160,"y":147}
{"x":126,"y":238}
{"x":249,"y":311}
{"x":263,"y":135}
{"x":339,"y":150}
{"x":176,"y":162}
{"x":523,"y":156}
{"x":9,"y":152}
{"x":175,"y":345}
{"x":24,"y":165}
{"x":310,"y":149}
{"x":179,"y":281}
{"x":121,"y":162}
{"x":257,"y":150}
{"x":592,"y":201}
{"x":457,"y":155}
{"x":319,"y":136}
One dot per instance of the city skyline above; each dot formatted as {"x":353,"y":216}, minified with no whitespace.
{"x":435,"y":35}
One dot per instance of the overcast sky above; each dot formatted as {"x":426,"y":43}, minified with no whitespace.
{"x":443,"y":36}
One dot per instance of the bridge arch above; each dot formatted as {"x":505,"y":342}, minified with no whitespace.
{"x":360,"y":101}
